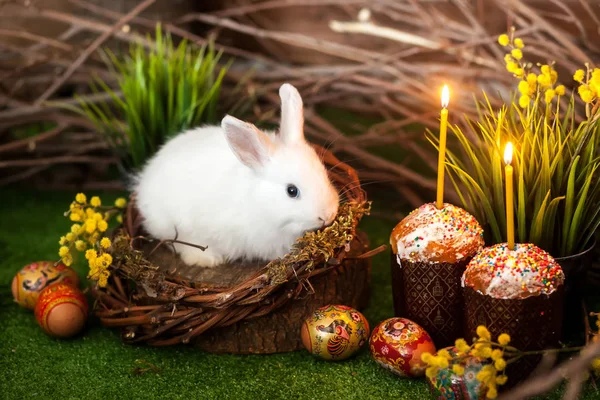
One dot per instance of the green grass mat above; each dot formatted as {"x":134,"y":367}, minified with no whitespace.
{"x":97,"y":365}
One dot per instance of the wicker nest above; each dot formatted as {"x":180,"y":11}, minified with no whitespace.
{"x":156,"y":299}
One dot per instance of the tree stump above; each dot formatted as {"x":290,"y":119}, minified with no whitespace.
{"x":279,"y":331}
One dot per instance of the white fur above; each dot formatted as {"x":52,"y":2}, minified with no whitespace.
{"x":223,"y":188}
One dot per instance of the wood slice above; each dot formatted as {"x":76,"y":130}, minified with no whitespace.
{"x":220,"y":277}
{"x":278,"y":331}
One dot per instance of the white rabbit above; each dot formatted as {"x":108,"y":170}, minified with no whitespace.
{"x":243,"y":193}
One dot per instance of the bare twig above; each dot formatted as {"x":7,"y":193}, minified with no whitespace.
{"x":31,"y":111}
{"x":27,"y":141}
{"x":33,"y":37}
{"x":57,"y":160}
{"x":573,"y":369}
{"x":396,"y":86}
{"x":365,"y":26}
{"x":90,"y":49}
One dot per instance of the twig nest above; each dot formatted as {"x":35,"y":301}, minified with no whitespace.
{"x":502,"y":273}
{"x":29,"y":282}
{"x":429,"y":234}
{"x":61,"y":310}
{"x":202,"y":308}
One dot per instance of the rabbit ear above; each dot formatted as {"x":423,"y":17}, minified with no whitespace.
{"x":249,"y":144}
{"x":292,"y":114}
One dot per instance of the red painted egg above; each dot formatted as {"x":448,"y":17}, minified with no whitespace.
{"x":397,"y":344}
{"x":61,"y":310}
{"x":334,"y":332}
{"x":35,"y":277}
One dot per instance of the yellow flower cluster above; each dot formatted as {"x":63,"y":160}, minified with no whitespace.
{"x":531,"y":84}
{"x":435,"y":362}
{"x":491,"y":375}
{"x":99,"y":264}
{"x":589,"y":88}
{"x":91,"y":223}
{"x":513,"y":58}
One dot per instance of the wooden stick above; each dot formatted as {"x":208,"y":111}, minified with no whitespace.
{"x":30,"y":111}
{"x":365,"y":26}
{"x":11,"y":146}
{"x":57,"y":160}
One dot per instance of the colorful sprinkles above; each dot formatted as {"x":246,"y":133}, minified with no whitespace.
{"x":429,"y":234}
{"x":509,"y":274}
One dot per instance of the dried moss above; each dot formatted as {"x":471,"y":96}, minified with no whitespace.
{"x":132,"y":263}
{"x":320,"y":245}
{"x":311,"y":249}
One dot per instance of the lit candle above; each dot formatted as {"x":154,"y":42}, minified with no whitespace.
{"x":442,"y":151}
{"x":510,"y":220}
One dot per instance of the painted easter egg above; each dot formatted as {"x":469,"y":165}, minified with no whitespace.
{"x":61,"y":310}
{"x":446,"y":385}
{"x":35,"y":277}
{"x":397,"y":344}
{"x":335,"y":332}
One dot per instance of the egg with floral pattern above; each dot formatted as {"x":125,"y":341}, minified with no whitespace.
{"x":446,"y":385}
{"x":334,"y":332}
{"x":397,"y":344}
{"x":35,"y":277}
{"x":61,"y":310}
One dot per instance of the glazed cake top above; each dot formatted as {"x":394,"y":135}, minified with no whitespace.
{"x":433,"y":235}
{"x":525,"y":271}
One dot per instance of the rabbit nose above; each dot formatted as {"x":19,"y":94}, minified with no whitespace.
{"x":328,"y":219}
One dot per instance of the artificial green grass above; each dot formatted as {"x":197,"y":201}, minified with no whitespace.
{"x":96,"y":365}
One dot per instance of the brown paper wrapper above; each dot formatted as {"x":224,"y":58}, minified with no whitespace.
{"x":430,"y":295}
{"x":533,"y":323}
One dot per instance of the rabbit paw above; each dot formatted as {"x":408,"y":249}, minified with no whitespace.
{"x":193,"y":256}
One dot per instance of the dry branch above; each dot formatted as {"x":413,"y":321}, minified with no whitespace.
{"x":573,"y":370}
{"x":90,"y":49}
{"x":425,"y":44}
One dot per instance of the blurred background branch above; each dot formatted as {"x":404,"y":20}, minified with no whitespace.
{"x":369,"y":71}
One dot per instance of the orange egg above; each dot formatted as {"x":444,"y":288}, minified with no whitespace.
{"x":35,"y":277}
{"x":61,"y":310}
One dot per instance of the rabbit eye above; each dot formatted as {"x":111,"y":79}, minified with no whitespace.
{"x":292,"y":191}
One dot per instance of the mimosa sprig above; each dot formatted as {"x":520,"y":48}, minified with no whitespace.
{"x":555,"y":160}
{"x":495,"y":357}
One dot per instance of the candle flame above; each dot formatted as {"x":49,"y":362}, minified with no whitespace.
{"x":508,"y":152}
{"x":445,"y":96}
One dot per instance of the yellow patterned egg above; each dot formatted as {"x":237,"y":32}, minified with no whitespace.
{"x":35,"y":277}
{"x":335,"y":332}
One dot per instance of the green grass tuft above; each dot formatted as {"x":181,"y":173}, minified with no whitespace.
{"x":165,"y":90}
{"x":556,"y":176}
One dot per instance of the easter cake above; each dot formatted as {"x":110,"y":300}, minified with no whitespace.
{"x":430,"y":250}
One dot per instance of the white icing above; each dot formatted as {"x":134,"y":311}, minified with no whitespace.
{"x":515,"y":278}
{"x":409,"y":248}
{"x":399,"y":261}
{"x":432,"y":225}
